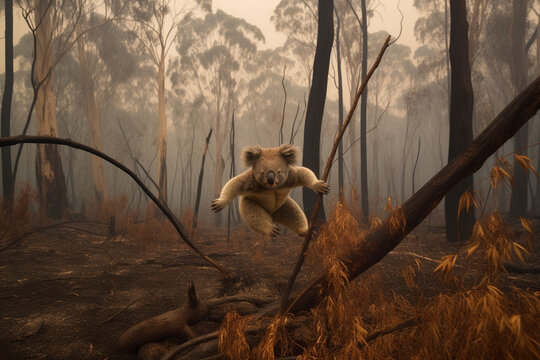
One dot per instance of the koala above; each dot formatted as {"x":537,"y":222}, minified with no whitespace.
{"x":264,"y":189}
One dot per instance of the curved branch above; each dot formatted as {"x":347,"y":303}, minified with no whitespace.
{"x":25,"y":139}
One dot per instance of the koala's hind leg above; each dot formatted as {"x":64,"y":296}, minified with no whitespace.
{"x":291,"y":215}
{"x":257,"y":218}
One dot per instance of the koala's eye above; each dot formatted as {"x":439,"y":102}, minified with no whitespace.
{"x":279,"y":172}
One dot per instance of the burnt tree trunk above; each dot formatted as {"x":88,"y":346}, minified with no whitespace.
{"x":162,"y":131}
{"x":383,"y":239}
{"x":518,"y":67}
{"x":340,"y":104}
{"x":7,"y":175}
{"x":316,"y":100}
{"x":363,"y":119}
{"x":199,"y":184}
{"x":461,"y":112}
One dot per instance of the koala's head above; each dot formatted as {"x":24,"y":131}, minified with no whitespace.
{"x":270,"y":165}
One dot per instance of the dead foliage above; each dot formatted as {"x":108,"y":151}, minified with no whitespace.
{"x":475,"y":317}
{"x":20,"y":219}
{"x":153,"y":230}
{"x":105,"y":209}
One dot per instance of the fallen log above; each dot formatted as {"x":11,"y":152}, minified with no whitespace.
{"x":176,"y":323}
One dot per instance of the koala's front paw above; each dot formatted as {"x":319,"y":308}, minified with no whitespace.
{"x":218,"y":204}
{"x":321,"y":187}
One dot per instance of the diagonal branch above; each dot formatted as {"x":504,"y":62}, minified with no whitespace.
{"x":22,"y":139}
{"x":309,"y":234}
{"x":385,"y":237}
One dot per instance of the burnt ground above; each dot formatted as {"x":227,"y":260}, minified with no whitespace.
{"x":70,"y":291}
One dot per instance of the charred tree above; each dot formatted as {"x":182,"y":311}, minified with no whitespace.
{"x":162,"y":129}
{"x":7,"y":175}
{"x":384,"y":238}
{"x":316,"y":100}
{"x":518,"y":69}
{"x":536,"y":205}
{"x":363,"y":119}
{"x":461,"y":112}
{"x":199,"y":184}
{"x":340,"y":103}
{"x":232,"y":173}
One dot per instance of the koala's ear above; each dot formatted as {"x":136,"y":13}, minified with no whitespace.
{"x":250,"y":155}
{"x":289,"y":153}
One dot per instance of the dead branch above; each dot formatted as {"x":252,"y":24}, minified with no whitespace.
{"x":284,"y":105}
{"x":22,"y":237}
{"x":199,"y":184}
{"x":238,"y":298}
{"x":401,"y":326}
{"x":121,"y":311}
{"x":309,"y":234}
{"x":177,"y":322}
{"x":174,"y":323}
{"x":13,"y":140}
{"x":384,"y":238}
{"x":521,"y":269}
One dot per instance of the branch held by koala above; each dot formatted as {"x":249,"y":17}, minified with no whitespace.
{"x":337,"y":140}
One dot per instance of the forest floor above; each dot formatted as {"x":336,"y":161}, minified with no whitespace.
{"x":69,"y":292}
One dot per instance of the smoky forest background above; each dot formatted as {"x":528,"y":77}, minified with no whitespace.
{"x":122,"y":120}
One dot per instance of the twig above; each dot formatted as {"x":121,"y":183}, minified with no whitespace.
{"x":404,"y":325}
{"x":199,"y":184}
{"x":22,"y":237}
{"x":284,"y":105}
{"x":238,"y":298}
{"x":121,"y":311}
{"x":309,"y":234}
{"x":415,"y":163}
{"x":13,"y":140}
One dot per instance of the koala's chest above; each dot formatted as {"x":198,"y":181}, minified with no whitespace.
{"x":270,"y":200}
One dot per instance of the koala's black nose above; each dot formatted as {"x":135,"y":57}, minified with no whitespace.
{"x":271,"y":177}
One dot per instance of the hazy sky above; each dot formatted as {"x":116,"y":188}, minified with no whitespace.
{"x":258,"y":12}
{"x":386,"y":17}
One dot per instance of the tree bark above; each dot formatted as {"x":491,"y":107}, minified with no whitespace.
{"x":93,"y":118}
{"x":340,"y":104}
{"x":363,"y":119}
{"x":461,"y":112}
{"x":199,"y":183}
{"x":384,"y":238}
{"x":316,"y":100}
{"x":49,"y":172}
{"x":536,"y":206}
{"x":162,"y":132}
{"x":7,"y":175}
{"x":518,"y":69}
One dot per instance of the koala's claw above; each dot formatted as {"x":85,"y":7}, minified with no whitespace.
{"x":217,"y":205}
{"x":321,"y":187}
{"x":274,"y":232}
